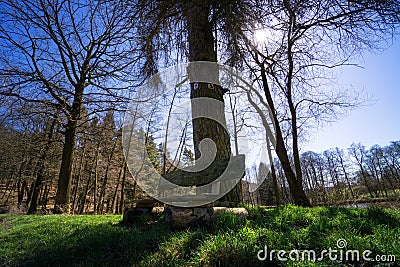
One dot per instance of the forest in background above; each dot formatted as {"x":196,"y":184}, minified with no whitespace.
{"x":31,"y":150}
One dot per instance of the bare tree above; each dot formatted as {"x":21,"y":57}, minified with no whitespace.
{"x":66,"y":55}
{"x":357,"y":151}
{"x":340,"y":156}
{"x":303,"y":40}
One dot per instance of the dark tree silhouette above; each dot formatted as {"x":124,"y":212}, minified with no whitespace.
{"x":66,"y":55}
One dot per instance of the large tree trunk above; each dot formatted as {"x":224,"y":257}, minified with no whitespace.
{"x":62,"y":202}
{"x":201,"y":48}
{"x":63,"y":195}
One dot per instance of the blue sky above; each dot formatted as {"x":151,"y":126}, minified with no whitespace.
{"x":375,"y":123}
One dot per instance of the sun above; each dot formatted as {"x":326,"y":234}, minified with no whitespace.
{"x":260,"y":36}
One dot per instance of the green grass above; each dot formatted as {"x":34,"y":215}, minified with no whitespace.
{"x":229,"y":241}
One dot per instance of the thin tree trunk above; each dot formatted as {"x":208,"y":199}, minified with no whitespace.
{"x":78,"y":176}
{"x":324,"y":186}
{"x":393,"y":175}
{"x":75,"y":181}
{"x":40,"y":173}
{"x":96,"y":165}
{"x":116,"y":190}
{"x":381,"y":177}
{"x":345,"y":174}
{"x":12,"y":189}
{"x":348,"y":183}
{"x":7,"y":187}
{"x":295,"y":185}
{"x":365,"y":181}
{"x":121,"y":200}
{"x":21,"y":190}
{"x":298,"y":178}
{"x":317,"y":182}
{"x":116,"y":206}
{"x":29,"y":192}
{"x":285,"y":194}
{"x":273,"y":174}
{"x":360,"y":163}
{"x":105,"y":179}
{"x":45,"y":194}
{"x":83,"y":196}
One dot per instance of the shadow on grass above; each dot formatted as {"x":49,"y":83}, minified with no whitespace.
{"x":99,"y":245}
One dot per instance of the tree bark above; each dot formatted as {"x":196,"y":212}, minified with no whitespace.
{"x":63,"y":195}
{"x":46,"y":192}
{"x":201,"y":48}
{"x":96,"y":177}
{"x":295,"y":185}
{"x":113,"y":201}
{"x":21,"y":190}
{"x":340,"y":157}
{"x":273,"y":176}
{"x":105,"y":179}
{"x":40,"y":174}
{"x":62,"y":202}
{"x":120,"y":209}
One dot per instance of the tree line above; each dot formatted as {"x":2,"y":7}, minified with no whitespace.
{"x":338,"y":177}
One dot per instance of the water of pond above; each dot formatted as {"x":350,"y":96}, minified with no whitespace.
{"x":354,"y":205}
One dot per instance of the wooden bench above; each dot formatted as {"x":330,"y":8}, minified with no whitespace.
{"x":198,"y":213}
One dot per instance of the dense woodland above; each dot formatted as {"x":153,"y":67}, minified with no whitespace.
{"x":68,"y":70}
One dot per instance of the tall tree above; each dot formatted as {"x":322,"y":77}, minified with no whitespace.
{"x":357,"y":151}
{"x":189,"y":29}
{"x":66,"y":55}
{"x":301,"y":40}
{"x":201,"y":44}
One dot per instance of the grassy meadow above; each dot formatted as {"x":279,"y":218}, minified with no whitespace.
{"x":90,"y":240}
